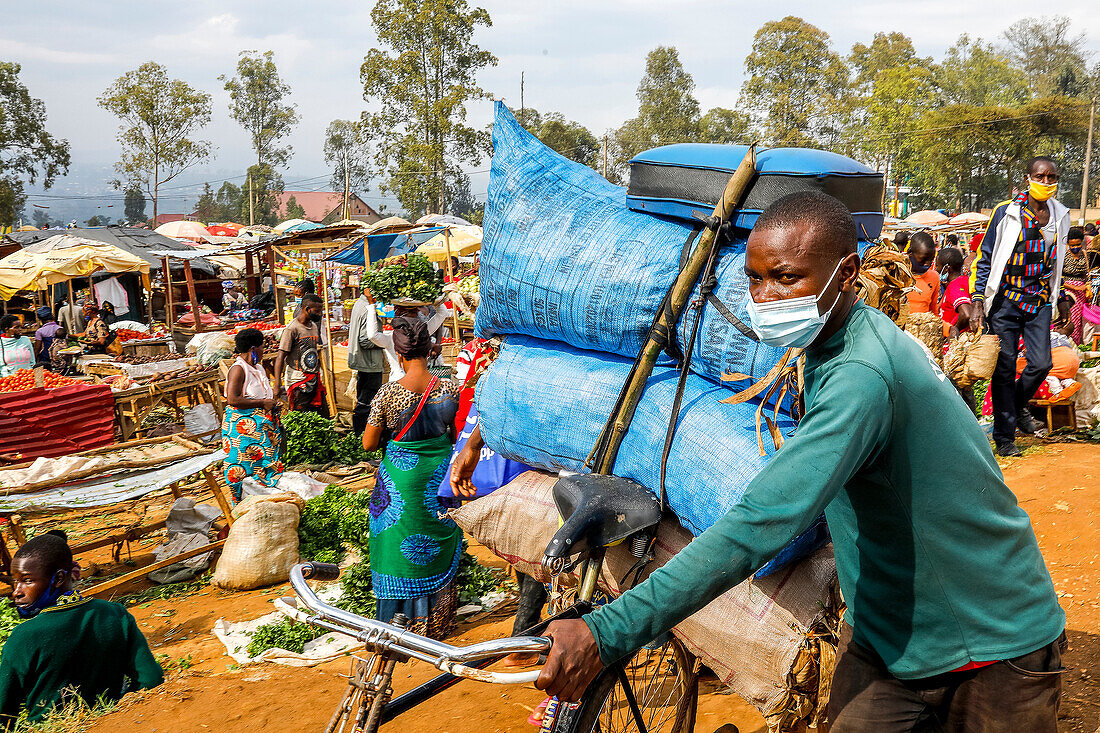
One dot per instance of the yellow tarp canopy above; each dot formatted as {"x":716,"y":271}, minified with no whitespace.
{"x":465,"y":240}
{"x":61,"y":257}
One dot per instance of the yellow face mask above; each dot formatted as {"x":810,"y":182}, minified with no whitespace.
{"x":1041,"y":191}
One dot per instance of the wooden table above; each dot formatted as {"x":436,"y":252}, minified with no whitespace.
{"x":132,"y":406}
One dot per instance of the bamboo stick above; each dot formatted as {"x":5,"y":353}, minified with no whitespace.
{"x":679,"y":296}
{"x":219,"y":495}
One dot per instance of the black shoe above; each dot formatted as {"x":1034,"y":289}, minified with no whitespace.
{"x":1025,"y":423}
{"x":1008,"y":450}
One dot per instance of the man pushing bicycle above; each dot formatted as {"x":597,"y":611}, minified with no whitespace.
{"x":952,"y":621}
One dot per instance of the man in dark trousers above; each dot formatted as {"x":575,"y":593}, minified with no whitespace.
{"x":366,"y":359}
{"x":1014,"y":286}
{"x":952,"y":619}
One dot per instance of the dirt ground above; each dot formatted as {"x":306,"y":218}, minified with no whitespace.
{"x":1057,"y":484}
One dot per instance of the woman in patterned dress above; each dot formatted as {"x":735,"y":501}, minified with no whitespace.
{"x":414,"y":550}
{"x":250,"y":431}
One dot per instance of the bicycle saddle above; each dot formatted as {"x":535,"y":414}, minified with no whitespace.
{"x":599,"y":511}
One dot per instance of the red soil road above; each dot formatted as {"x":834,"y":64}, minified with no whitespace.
{"x":1058,"y":486}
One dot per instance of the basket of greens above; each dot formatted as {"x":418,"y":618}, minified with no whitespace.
{"x":405,"y":280}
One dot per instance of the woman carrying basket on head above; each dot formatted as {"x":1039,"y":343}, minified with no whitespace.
{"x":414,"y":553}
{"x":250,"y":431}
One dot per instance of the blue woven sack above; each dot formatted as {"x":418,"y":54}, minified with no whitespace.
{"x":564,"y":259}
{"x":544,"y":404}
{"x":562,"y":256}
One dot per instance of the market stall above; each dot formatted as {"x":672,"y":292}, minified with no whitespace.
{"x":103,"y":477}
{"x":44,"y":414}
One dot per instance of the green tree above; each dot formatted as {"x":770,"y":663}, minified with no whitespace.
{"x":421,"y":81}
{"x":41,"y":219}
{"x":257,"y":101}
{"x":725,"y":126}
{"x":159,"y":118}
{"x":465,"y":205}
{"x":227,"y":203}
{"x":294,"y":210}
{"x":566,"y":137}
{"x":135,"y":205}
{"x":1045,"y":49}
{"x":259,"y":196}
{"x":667,"y":110}
{"x":27,"y":151}
{"x":348,"y":151}
{"x":886,"y":51}
{"x":975,"y":73}
{"x":795,"y":83}
{"x":206,"y":209}
{"x":98,"y":221}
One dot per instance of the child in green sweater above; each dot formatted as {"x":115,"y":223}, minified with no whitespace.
{"x":68,"y":644}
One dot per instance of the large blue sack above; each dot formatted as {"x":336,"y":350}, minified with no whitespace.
{"x":544,"y":404}
{"x":564,"y":259}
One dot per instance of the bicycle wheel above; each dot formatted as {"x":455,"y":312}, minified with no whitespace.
{"x":662,"y":683}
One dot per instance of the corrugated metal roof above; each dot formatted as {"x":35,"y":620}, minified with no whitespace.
{"x":57,"y":422}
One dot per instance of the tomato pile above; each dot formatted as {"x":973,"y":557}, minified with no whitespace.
{"x":259,"y":325}
{"x":24,"y":380}
{"x":127,"y":334}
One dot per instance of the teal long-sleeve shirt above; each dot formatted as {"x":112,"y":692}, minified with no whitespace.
{"x":938,"y":564}
{"x":92,"y":646}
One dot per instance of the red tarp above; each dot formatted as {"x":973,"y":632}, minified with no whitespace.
{"x":56,"y":422}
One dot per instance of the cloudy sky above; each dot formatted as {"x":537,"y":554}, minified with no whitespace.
{"x":581,"y":57}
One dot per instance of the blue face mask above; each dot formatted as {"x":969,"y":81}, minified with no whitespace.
{"x":792,"y":323}
{"x":47,"y":599}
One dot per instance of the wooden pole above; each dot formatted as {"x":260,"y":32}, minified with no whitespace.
{"x":1088,"y":162}
{"x":280,"y":311}
{"x":142,"y":572}
{"x":605,"y":155}
{"x":330,"y":372}
{"x":169,"y":303}
{"x":347,"y":188}
{"x":250,"y":275}
{"x":450,"y":276}
{"x":193,"y":297}
{"x":681,"y":292}
{"x":69,"y":282}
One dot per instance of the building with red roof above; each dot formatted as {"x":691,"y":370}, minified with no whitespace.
{"x":327,"y":207}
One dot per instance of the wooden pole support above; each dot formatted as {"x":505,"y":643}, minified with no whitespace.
{"x":142,"y":572}
{"x":219,"y":495}
{"x":190,"y":276}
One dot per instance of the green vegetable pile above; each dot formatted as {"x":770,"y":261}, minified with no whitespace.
{"x":474,"y":579}
{"x":309,"y":437}
{"x":349,"y":450}
{"x":9,"y":619}
{"x":285,"y":634}
{"x":332,"y":520}
{"x":406,"y":276}
{"x":330,"y":523}
{"x":469,"y":285}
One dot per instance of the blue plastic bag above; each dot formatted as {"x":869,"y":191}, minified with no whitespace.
{"x":493,"y":470}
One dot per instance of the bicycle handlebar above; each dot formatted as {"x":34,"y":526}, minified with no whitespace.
{"x":381,"y":635}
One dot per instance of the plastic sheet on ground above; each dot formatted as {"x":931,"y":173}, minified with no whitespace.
{"x":111,"y":489}
{"x":236,"y":636}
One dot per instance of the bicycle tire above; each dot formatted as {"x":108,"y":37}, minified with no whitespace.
{"x":667,"y":705}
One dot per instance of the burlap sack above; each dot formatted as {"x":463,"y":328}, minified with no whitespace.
{"x":971,"y":357}
{"x":928,"y":329}
{"x":767,"y":639}
{"x":262,"y":544}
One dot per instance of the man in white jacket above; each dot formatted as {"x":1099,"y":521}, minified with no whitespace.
{"x":1014,"y":284}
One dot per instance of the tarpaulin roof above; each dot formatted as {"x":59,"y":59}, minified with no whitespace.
{"x":109,"y":489}
{"x":59,"y":258}
{"x":380,"y":246}
{"x":140,"y":242}
{"x":464,"y":240}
